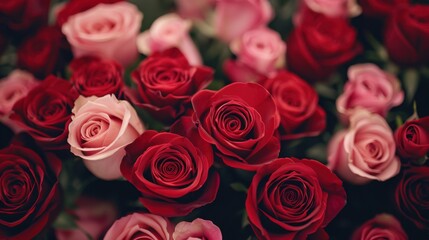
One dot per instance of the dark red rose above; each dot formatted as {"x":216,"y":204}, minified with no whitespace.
{"x":380,"y":8}
{"x":382,"y":226}
{"x":412,"y":139}
{"x":411,"y":196}
{"x":238,"y":72}
{"x":92,"y":76}
{"x":76,"y":6}
{"x":292,"y":199}
{"x":319,"y":45}
{"x":172,"y":172}
{"x":45,"y":113}
{"x":407,"y":35}
{"x":241,"y":121}
{"x":165,"y":84}
{"x":29,"y":196}
{"x":24,"y":15}
{"x":297,"y":103}
{"x":42,"y":53}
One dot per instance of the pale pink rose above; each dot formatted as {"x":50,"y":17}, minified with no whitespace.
{"x":93,"y":217}
{"x":382,"y":226}
{"x":197,"y":229}
{"x":235,"y":17}
{"x":371,"y":88}
{"x":106,"y":30}
{"x":166,"y":32}
{"x":14,"y":87}
{"x":365,"y":151}
{"x":100,"y":130}
{"x":140,"y":226}
{"x":261,"y":49}
{"x":194,"y":9}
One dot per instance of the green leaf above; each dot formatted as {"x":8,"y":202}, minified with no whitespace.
{"x":411,"y":82}
{"x":65,"y":221}
{"x":239,"y":187}
{"x":244,"y":220}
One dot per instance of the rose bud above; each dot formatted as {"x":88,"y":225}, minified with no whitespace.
{"x":141,"y":226}
{"x":45,"y":113}
{"x":365,"y":151}
{"x":412,"y":139}
{"x":233,"y":18}
{"x":169,"y":31}
{"x":382,"y":226}
{"x":371,"y":88}
{"x":105,"y":31}
{"x":297,"y":103}
{"x":197,"y":229}
{"x":407,"y":34}
{"x":30,"y":194}
{"x":93,"y":76}
{"x":172,"y":172}
{"x":411,"y":196}
{"x":292,"y":199}
{"x":240,"y":121}
{"x":100,"y":130}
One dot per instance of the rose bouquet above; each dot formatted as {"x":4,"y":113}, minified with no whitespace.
{"x":204,"y":119}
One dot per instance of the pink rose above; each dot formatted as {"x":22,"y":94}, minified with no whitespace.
{"x":330,"y":8}
{"x":166,"y":32}
{"x":193,"y":9}
{"x":235,"y":17}
{"x":365,"y":151}
{"x":106,"y":31}
{"x":371,"y":88}
{"x":140,"y":226}
{"x":382,"y":226}
{"x":261,"y":49}
{"x":100,"y":130}
{"x":14,"y":87}
{"x":197,"y":229}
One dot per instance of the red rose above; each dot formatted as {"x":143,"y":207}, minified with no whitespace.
{"x":411,"y":196}
{"x":76,"y":6}
{"x":45,"y":113}
{"x":23,"y":15}
{"x":412,"y":139}
{"x":42,"y":53}
{"x":407,"y":35}
{"x":173,"y":174}
{"x":97,"y":77}
{"x":319,"y":45}
{"x":297,"y":103}
{"x":292,"y":199}
{"x":29,"y":196}
{"x":380,"y":8}
{"x":165,"y":84}
{"x":382,"y":226}
{"x":240,"y":120}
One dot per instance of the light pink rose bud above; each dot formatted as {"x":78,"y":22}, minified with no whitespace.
{"x":365,"y":151}
{"x":261,"y":49}
{"x":100,"y":130}
{"x":14,"y":87}
{"x":166,"y":32}
{"x":235,"y":17}
{"x":140,"y":226}
{"x":106,"y":31}
{"x":371,"y":88}
{"x":193,"y":9}
{"x":197,"y":229}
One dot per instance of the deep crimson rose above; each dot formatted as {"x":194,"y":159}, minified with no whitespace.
{"x":292,"y":199}
{"x":411,"y":196}
{"x":76,"y":6}
{"x":43,"y":53}
{"x":45,"y":113}
{"x":241,"y":121}
{"x":407,"y":35}
{"x":319,"y":45}
{"x":165,"y":84}
{"x":412,"y":139}
{"x":93,"y":76}
{"x":380,"y":8}
{"x":29,"y":196}
{"x":297,"y":103}
{"x":23,"y":15}
{"x":382,"y":226}
{"x":172,"y":172}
